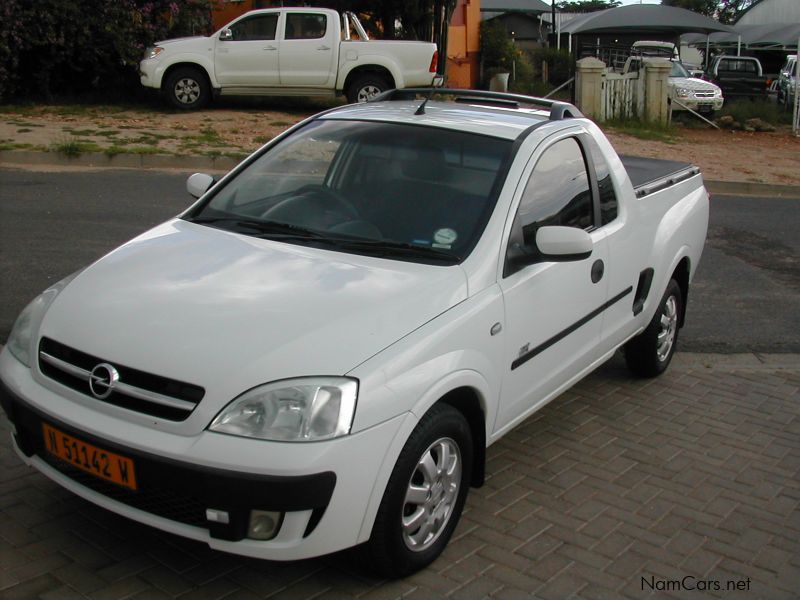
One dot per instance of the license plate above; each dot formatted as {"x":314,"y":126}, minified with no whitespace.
{"x":87,"y":457}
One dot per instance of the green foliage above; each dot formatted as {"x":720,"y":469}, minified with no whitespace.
{"x":497,"y":48}
{"x":75,"y":46}
{"x":558,"y":62}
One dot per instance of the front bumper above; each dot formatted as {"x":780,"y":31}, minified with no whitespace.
{"x":699,"y":104}
{"x":326,"y":491}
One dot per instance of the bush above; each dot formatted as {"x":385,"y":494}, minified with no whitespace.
{"x":75,"y":46}
{"x":558,"y":62}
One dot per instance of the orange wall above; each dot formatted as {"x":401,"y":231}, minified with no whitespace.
{"x":463,"y":45}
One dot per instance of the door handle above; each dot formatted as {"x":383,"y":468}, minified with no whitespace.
{"x":598,"y":268}
{"x":323,"y":47}
{"x":269,"y":48}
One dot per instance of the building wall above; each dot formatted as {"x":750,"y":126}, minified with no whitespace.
{"x":464,"y":45}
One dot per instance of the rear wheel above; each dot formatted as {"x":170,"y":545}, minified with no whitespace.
{"x":187,"y":88}
{"x":365,"y":87}
{"x":425,"y":495}
{"x":650,"y":352}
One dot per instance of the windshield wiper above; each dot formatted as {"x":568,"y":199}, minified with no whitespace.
{"x":269,"y":228}
{"x":285,"y":232}
{"x":395,"y":249}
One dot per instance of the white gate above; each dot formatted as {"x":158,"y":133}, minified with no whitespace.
{"x":622,"y":96}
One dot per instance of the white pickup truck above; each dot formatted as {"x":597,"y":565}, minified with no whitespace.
{"x":285,"y":52}
{"x":317,"y":353}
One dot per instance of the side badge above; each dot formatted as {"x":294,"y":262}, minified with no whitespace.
{"x":524,"y":350}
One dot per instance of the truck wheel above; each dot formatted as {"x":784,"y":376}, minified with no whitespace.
{"x":424,"y":497}
{"x":187,"y":88}
{"x":365,"y":87}
{"x":650,"y":352}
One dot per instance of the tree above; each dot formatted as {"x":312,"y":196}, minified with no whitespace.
{"x":727,"y":11}
{"x":576,"y":6}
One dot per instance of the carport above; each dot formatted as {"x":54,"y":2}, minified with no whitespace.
{"x":609,"y":34}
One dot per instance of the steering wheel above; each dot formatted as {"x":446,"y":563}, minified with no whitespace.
{"x":343,"y":204}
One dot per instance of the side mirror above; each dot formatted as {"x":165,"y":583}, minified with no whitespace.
{"x":198,"y":184}
{"x":563,"y":244}
{"x":225,"y":35}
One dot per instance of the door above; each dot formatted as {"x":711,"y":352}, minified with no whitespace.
{"x":553,"y":309}
{"x":251,"y":56}
{"x":309,"y":45}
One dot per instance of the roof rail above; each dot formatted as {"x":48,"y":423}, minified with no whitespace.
{"x":558,"y":110}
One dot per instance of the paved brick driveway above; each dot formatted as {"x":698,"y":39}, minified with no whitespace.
{"x":616,"y":488}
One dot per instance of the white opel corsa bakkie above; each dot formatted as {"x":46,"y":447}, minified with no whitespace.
{"x":317,"y":353}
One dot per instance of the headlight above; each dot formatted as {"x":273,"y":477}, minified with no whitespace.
{"x":152,"y":52}
{"x":682,"y":93}
{"x":21,"y":336}
{"x":293,"y":410}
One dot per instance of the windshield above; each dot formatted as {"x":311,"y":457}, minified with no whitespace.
{"x":678,"y":70}
{"x":398,"y":191}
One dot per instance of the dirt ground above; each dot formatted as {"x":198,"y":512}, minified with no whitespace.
{"x":236,"y":130}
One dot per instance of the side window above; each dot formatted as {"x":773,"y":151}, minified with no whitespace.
{"x":258,"y":27}
{"x":305,"y":26}
{"x":557,"y":192}
{"x":608,"y":196}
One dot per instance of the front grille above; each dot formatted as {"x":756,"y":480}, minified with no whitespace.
{"x":704,"y":94}
{"x":136,"y":390}
{"x":161,"y":501}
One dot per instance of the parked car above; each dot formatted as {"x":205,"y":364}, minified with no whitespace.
{"x":787,"y":81}
{"x":317,"y":353}
{"x":690,"y":92}
{"x":285,"y":52}
{"x":738,"y":76}
{"x":655,"y":49}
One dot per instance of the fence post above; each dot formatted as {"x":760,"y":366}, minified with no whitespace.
{"x":589,"y":87}
{"x":656,"y":87}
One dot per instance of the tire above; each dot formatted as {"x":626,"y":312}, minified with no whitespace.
{"x":395,"y":550}
{"x":365,"y":87}
{"x":650,"y":352}
{"x":187,"y":88}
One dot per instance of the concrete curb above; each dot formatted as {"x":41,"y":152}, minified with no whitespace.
{"x":98,"y":160}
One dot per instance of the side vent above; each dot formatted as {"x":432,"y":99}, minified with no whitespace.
{"x":642,"y":290}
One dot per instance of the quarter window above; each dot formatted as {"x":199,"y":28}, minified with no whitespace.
{"x":557,"y":192}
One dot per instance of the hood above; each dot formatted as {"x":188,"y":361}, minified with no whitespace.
{"x":180,"y":39}
{"x":693,"y":83}
{"x":228,"y":312}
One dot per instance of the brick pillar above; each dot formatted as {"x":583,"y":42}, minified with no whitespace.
{"x":589,"y":87}
{"x":656,"y":87}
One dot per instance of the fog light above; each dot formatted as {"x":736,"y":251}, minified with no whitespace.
{"x":264,"y":524}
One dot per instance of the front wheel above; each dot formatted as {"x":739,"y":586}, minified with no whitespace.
{"x":650,"y":352}
{"x":365,"y":88}
{"x":425,"y":495}
{"x":187,"y":88}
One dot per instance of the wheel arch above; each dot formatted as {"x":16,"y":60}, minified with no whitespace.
{"x":371,"y":69}
{"x":466,"y":400}
{"x":189,"y":65}
{"x":681,"y":275}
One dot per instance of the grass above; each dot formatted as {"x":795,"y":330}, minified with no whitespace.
{"x":769,"y":112}
{"x":643,"y":130}
{"x":72,"y":147}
